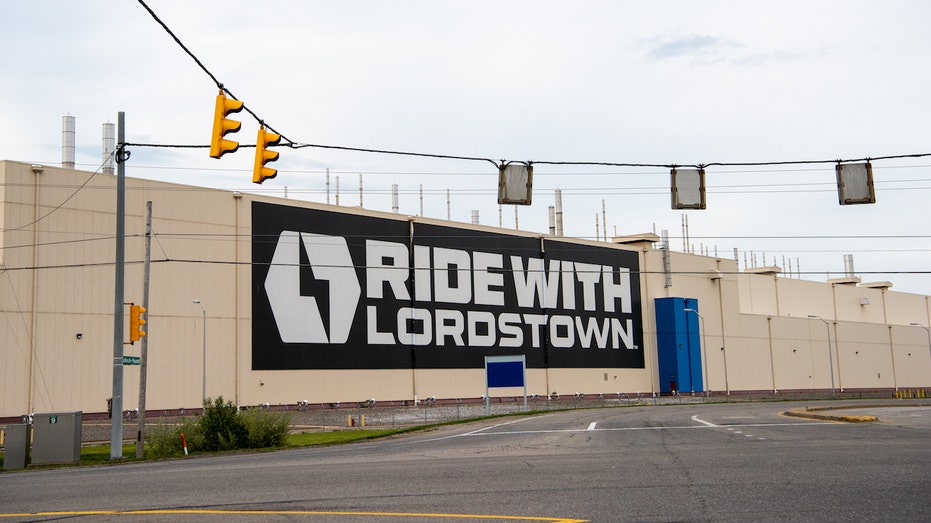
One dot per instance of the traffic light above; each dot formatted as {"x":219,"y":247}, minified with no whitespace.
{"x":221,"y":126}
{"x":263,"y":156}
{"x":136,"y":321}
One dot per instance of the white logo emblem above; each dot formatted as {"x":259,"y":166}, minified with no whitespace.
{"x":298,"y":317}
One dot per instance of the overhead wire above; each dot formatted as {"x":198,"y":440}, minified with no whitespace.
{"x":363,"y":267}
{"x":61,"y":204}
{"x":299,"y":145}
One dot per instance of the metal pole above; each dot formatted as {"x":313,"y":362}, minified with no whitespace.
{"x":204,"y":330}
{"x":116,"y":420}
{"x":827,"y":327}
{"x":144,"y":354}
{"x":203,"y":395}
{"x":704,"y":355}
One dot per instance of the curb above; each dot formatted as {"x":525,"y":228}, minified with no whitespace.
{"x":813,"y":412}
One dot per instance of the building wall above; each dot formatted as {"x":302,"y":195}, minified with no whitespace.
{"x":56,"y":281}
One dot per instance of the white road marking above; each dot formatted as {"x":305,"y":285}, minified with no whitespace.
{"x":632,"y":429}
{"x":591,"y":426}
{"x":490,"y":430}
{"x":478,"y":432}
{"x":703,"y":422}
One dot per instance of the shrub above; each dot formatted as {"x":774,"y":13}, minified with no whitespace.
{"x":221,"y":427}
{"x":264,"y":428}
{"x":165,"y":440}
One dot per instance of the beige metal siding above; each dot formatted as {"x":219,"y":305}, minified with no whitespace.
{"x":56,"y":281}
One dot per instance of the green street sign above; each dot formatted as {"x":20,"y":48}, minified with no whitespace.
{"x":131,"y":360}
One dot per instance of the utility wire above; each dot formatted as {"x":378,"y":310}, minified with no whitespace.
{"x":298,"y":145}
{"x":362,"y":267}
{"x":63,"y":202}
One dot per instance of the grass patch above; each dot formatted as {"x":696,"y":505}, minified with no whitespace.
{"x":100,"y":454}
{"x":314,"y":439}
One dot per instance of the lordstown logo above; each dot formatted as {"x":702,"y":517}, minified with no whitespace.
{"x":298,"y":317}
{"x":438,"y":296}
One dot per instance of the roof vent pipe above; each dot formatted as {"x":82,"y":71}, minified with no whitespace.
{"x":394,"y":198}
{"x":558,"y":212}
{"x":475,"y":217}
{"x":109,"y":147}
{"x":67,"y":142}
{"x":552,"y":211}
{"x":848,"y":266}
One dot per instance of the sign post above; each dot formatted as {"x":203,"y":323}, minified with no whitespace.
{"x":505,"y":371}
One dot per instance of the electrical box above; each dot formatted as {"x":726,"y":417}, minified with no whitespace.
{"x":56,"y":437}
{"x":16,"y":446}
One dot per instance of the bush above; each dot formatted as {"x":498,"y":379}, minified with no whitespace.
{"x":221,"y":426}
{"x":264,"y":428}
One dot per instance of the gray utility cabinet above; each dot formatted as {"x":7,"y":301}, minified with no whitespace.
{"x":56,"y":437}
{"x":16,"y":447}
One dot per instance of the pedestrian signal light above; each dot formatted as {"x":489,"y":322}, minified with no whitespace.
{"x":263,"y":156}
{"x":222,"y":126}
{"x":136,"y":321}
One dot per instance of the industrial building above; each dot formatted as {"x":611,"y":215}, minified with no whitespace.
{"x":269,"y":300}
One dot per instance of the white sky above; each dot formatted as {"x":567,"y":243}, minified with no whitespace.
{"x":627,"y":82}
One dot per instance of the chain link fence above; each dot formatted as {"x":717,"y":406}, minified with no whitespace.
{"x":372,"y":414}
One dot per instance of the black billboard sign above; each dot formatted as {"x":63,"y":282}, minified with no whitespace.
{"x":334,"y":290}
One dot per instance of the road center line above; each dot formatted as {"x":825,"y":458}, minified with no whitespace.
{"x":200,"y":512}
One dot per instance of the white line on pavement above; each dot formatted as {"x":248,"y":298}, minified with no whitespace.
{"x":703,"y":422}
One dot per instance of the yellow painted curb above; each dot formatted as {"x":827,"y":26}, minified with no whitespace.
{"x":810,"y":413}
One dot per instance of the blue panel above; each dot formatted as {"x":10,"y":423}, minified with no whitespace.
{"x":670,"y":376}
{"x":678,"y":345}
{"x":505,"y":374}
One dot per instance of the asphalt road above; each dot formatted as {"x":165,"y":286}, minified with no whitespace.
{"x":728,"y":462}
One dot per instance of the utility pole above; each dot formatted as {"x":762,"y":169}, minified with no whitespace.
{"x":116,"y":407}
{"x":144,"y":355}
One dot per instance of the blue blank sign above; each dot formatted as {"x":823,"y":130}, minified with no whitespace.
{"x":505,"y":373}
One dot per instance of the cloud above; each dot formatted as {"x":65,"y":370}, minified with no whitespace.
{"x":709,"y":48}
{"x":712,"y":49}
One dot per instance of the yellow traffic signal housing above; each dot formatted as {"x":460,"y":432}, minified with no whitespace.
{"x":136,"y":321}
{"x":221,"y":126}
{"x":263,"y":156}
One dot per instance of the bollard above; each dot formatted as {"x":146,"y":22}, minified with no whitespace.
{"x":184,"y":443}
{"x":363,"y":420}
